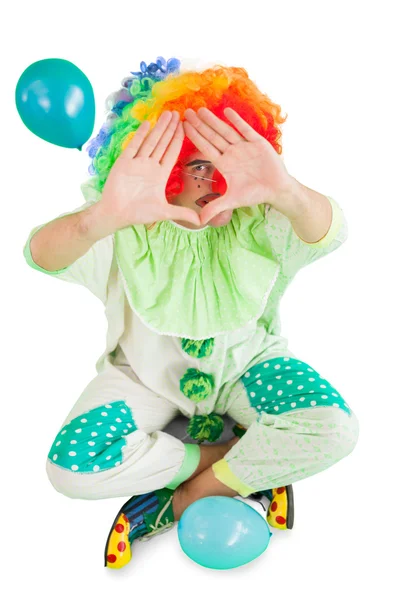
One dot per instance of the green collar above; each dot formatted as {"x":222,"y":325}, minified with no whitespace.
{"x":198,"y":284}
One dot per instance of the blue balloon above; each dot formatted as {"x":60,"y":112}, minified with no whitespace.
{"x":55,"y":100}
{"x":222,"y":533}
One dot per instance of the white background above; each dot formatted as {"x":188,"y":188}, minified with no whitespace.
{"x":333,"y":68}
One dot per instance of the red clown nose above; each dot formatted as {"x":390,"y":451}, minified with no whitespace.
{"x":219,"y":185}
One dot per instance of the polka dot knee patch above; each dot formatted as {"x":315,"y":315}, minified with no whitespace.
{"x":93,"y":441}
{"x":283,"y":384}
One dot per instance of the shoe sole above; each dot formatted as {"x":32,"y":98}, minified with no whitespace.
{"x":289,"y":502}
{"x":121,"y":512}
{"x":290,"y":507}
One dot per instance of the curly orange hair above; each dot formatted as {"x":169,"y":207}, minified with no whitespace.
{"x":161,"y":86}
{"x":215,"y":88}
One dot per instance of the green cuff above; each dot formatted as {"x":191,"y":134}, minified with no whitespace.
{"x":28,"y":255}
{"x":224,"y":474}
{"x":336,"y":223}
{"x":189,"y":465}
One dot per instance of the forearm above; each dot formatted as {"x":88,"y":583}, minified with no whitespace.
{"x":62,"y":241}
{"x":309,"y":212}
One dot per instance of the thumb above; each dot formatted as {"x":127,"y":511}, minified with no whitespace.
{"x":178,"y":213}
{"x":213,"y":208}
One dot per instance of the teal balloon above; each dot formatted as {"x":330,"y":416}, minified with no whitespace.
{"x":55,"y":101}
{"x":222,"y":533}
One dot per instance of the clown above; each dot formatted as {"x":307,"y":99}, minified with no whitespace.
{"x":191,"y":232}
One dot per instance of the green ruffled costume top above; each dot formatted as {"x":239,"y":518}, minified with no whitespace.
{"x":197,"y":284}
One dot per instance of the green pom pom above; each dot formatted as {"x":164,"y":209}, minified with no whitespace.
{"x":196,"y":386}
{"x":198,"y":348}
{"x":205,"y":427}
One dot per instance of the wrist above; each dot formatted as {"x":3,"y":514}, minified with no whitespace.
{"x":95,"y":224}
{"x":292,"y":201}
{"x":312,"y":219}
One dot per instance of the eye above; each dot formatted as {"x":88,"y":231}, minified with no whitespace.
{"x":202,"y":168}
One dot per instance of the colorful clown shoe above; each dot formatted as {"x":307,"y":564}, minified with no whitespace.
{"x":281,"y":508}
{"x":140,"y":518}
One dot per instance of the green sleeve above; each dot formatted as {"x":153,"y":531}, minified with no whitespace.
{"x":299,"y":253}
{"x":92,"y":269}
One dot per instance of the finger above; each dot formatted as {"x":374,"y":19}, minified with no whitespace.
{"x":178,"y":213}
{"x":209,"y":151}
{"x":167,"y":136}
{"x":172,"y":153}
{"x":136,"y":141}
{"x":154,"y":136}
{"x":206,"y":131}
{"x":242,"y":126}
{"x":225,"y":130}
{"x":215,"y":207}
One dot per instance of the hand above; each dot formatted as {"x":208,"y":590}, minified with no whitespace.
{"x":134,"y":192}
{"x":253,"y":171}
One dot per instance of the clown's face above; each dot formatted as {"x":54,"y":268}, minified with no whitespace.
{"x":198,"y":176}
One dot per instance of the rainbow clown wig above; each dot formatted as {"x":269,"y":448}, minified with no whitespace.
{"x":162,"y":86}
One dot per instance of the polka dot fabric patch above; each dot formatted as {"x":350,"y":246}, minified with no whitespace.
{"x":93,"y":441}
{"x":283,"y":384}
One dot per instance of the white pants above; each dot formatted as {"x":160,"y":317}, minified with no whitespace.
{"x":135,"y":456}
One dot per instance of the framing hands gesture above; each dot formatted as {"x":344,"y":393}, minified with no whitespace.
{"x":252,"y":169}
